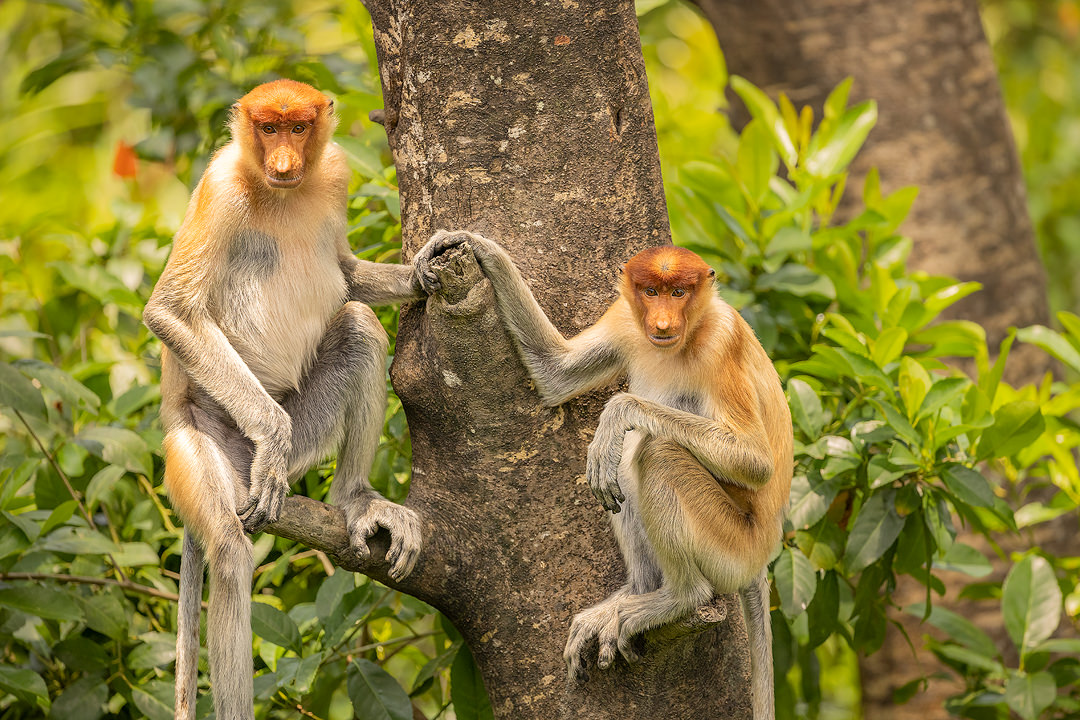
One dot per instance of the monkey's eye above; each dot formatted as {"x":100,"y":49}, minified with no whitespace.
{"x":651,"y":292}
{"x":299,"y":129}
{"x":269,"y":129}
{"x":678,"y":292}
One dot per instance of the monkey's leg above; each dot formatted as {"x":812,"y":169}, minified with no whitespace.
{"x":204,"y":487}
{"x":341,"y":406}
{"x":703,"y":532}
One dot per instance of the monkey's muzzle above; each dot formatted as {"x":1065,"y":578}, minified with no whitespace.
{"x":284,"y":168}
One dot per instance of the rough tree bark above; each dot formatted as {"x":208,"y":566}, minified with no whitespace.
{"x":941,"y":126}
{"x":530,"y":123}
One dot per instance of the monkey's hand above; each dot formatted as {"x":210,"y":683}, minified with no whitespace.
{"x":269,"y":478}
{"x":602,"y":464}
{"x":365,"y":517}
{"x":439,"y":243}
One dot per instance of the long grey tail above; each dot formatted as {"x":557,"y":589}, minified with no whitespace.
{"x":755,"y":609}
{"x":187,"y":627}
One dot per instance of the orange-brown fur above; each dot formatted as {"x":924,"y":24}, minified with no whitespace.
{"x":694,"y":462}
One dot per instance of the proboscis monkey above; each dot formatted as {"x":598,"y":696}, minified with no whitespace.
{"x":694,"y":462}
{"x":271,"y":362}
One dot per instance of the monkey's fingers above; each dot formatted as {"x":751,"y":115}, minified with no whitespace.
{"x":264,"y":506}
{"x":626,"y":647}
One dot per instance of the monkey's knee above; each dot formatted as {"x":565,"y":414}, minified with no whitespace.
{"x":361,"y":322}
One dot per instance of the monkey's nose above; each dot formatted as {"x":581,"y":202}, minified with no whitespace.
{"x":284,"y":160}
{"x":663,"y":324}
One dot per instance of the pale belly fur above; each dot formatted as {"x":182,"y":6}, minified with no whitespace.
{"x":293,"y":306}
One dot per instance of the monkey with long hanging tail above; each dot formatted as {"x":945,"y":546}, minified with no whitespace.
{"x":694,"y":462}
{"x":271,"y":363}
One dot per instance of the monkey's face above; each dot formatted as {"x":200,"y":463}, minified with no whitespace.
{"x":282,"y":146}
{"x":287,"y":124}
{"x":663,"y":314}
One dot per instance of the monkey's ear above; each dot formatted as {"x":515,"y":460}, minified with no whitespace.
{"x":712,"y":274}
{"x":622,"y":269}
{"x":329,"y":104}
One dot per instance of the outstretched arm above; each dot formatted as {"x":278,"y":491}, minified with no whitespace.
{"x":561,"y":368}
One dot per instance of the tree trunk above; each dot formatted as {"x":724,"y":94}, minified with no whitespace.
{"x":531,"y":124}
{"x":941,"y":126}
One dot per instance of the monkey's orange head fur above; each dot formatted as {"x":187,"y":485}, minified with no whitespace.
{"x":668,"y":288}
{"x":283,"y":126}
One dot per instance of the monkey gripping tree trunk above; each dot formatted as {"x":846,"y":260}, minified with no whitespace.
{"x":531,"y":124}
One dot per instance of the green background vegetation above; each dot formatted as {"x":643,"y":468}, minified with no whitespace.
{"x":896,"y":451}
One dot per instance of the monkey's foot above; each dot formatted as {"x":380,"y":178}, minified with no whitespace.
{"x":601,"y":622}
{"x":365,"y":519}
{"x":439,"y":243}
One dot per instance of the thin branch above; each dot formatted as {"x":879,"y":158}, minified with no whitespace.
{"x":74,"y":495}
{"x":86,"y":580}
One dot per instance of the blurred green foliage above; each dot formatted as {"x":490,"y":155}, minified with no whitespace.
{"x":1037,"y":50}
{"x":892,"y":444}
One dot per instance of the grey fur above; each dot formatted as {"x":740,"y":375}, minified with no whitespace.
{"x":246,"y":439}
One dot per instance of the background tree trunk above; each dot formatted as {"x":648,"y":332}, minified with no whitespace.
{"x":941,"y":126}
{"x":529,"y":123}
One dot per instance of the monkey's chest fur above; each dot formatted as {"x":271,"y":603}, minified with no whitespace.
{"x":276,"y":310}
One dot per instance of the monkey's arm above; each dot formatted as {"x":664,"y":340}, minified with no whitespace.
{"x":736,"y":452}
{"x":374,"y":283}
{"x":561,"y":368}
{"x":214,"y":365}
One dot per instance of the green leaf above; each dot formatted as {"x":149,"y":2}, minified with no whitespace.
{"x":375,"y":694}
{"x":1028,"y":695}
{"x":19,"y":393}
{"x":105,"y":613}
{"x":823,"y":544}
{"x":271,"y":624}
{"x":956,"y":627}
{"x":756,"y":161}
{"x":828,"y":157}
{"x":42,"y":601}
{"x":24,"y":684}
{"x":797,"y":280}
{"x":156,"y":650}
{"x":811,"y":496}
{"x":1052,"y":343}
{"x":838,"y":99}
{"x":968,"y":657}
{"x":763,"y":109}
{"x":99,"y":283}
{"x":945,"y":297}
{"x":361,"y":157}
{"x":331,"y":592}
{"x":467,"y":688}
{"x":118,"y":446}
{"x":824,"y":609}
{"x":1016,"y":426}
{"x":966,"y":559}
{"x":888,"y":346}
{"x":70,"y":390}
{"x":77,"y":541}
{"x":795,"y":581}
{"x":876,"y":528}
{"x":1031,"y":602}
{"x":942,"y":393}
{"x":102,"y":485}
{"x":154,"y":699}
{"x":789,"y":240}
{"x":805,"y":407}
{"x":83,"y":699}
{"x":968,"y":485}
{"x":427,"y":673}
